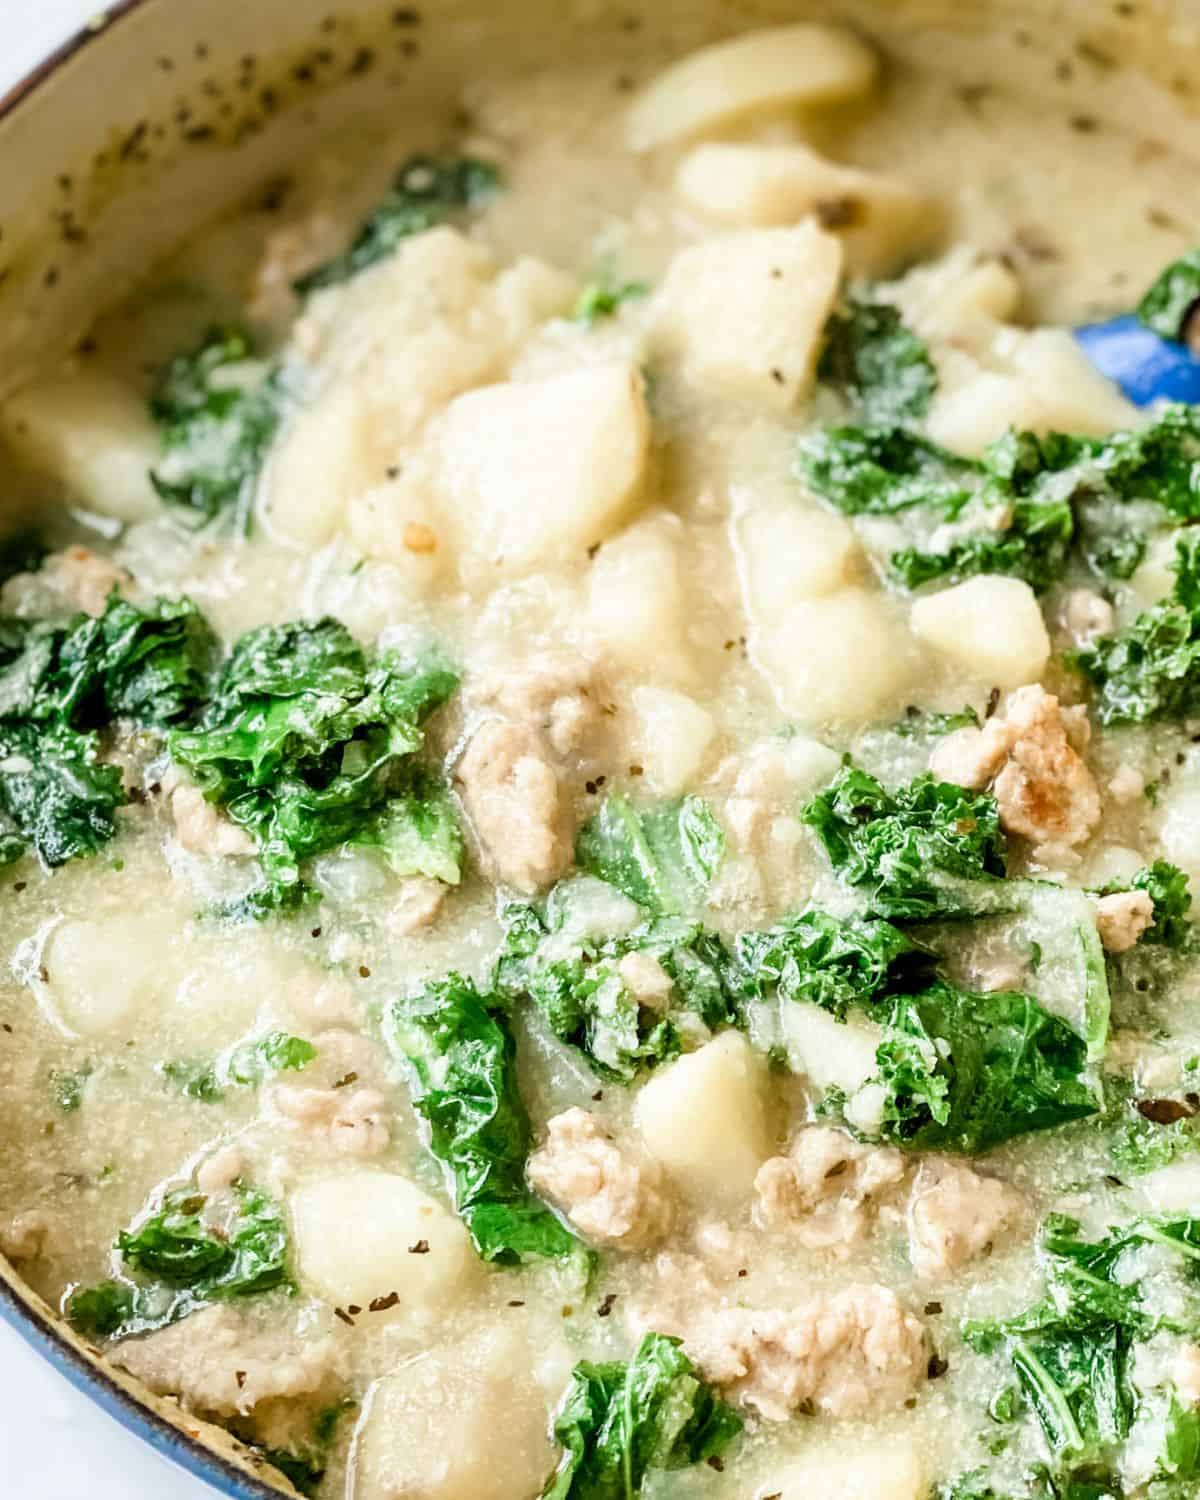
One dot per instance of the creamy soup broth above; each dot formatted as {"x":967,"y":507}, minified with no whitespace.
{"x":553,"y":435}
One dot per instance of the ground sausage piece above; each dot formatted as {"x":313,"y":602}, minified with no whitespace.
{"x":84,"y":577}
{"x":417,"y":905}
{"x":1044,"y":790}
{"x":201,"y":828}
{"x":611,"y":1198}
{"x":1122,"y":918}
{"x":1185,"y":1374}
{"x":354,"y":1122}
{"x":827,"y":1189}
{"x":223,"y":1361}
{"x":846,"y":1354}
{"x":554,"y":693}
{"x":955,"y":1215}
{"x":517,"y":805}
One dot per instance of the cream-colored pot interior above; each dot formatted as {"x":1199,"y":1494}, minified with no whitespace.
{"x":173,"y":110}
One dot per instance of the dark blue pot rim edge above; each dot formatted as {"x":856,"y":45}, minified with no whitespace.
{"x":41,"y":1331}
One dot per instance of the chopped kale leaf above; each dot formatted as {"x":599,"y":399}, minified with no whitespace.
{"x":876,"y":362}
{"x":622,"y":1420}
{"x":1165,"y":307}
{"x":576,"y":982}
{"x":929,"y":849}
{"x":427,"y":191}
{"x":218,"y":407}
{"x":661,"y":855}
{"x":964,"y":1072}
{"x":1167,"y":886}
{"x":59,"y":686}
{"x":305,"y":744}
{"x":602,"y":299}
{"x":462,"y":1064}
{"x":1151,"y":669}
{"x":187,"y":1256}
{"x":245,"y":1066}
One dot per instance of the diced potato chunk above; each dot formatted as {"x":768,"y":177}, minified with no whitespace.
{"x":323,"y":460}
{"x":353,"y":1236}
{"x":744,"y":313}
{"x":890,"y":1472}
{"x":881,"y":221}
{"x":829,"y":1052}
{"x":990,"y":627}
{"x":635,"y":594}
{"x":789,"y":553}
{"x":1044,"y":383}
{"x":459,"y":1423}
{"x":839,"y":658}
{"x":98,"y":975}
{"x":704,"y":1117}
{"x":1173,"y":1189}
{"x":91,"y":433}
{"x":1179,"y":832}
{"x":534,"y":473}
{"x":778,"y":67}
{"x":671,"y":739}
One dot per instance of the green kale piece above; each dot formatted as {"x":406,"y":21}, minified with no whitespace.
{"x":305,"y":1466}
{"x":622,"y":1420}
{"x":218,"y":407}
{"x":964,"y":1072}
{"x":602,"y":298}
{"x":661,"y":855}
{"x":1165,"y":306}
{"x":916,"y":724}
{"x":834,"y":962}
{"x":929,"y":849}
{"x":68,"y":1087}
{"x":246,"y":1065}
{"x":1021,"y":508}
{"x":461,"y":1061}
{"x":876,"y":362}
{"x":1151,"y":669}
{"x":575,"y":981}
{"x":59,"y":686}
{"x":1071,"y":1351}
{"x":427,"y":191}
{"x":305,"y":745}
{"x":188,"y":1255}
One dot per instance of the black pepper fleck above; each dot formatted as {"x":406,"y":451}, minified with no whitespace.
{"x":420,"y":1248}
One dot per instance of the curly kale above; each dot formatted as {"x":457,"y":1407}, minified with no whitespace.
{"x":60,"y":687}
{"x":1023,"y":507}
{"x":576,"y":983}
{"x":929,"y":849}
{"x":661,"y":855}
{"x":876,"y":362}
{"x":193,"y":1252}
{"x":427,"y":191}
{"x":622,"y":1420}
{"x":461,"y":1059}
{"x":1151,"y":669}
{"x":308,"y":746}
{"x":218,"y":407}
{"x":1167,"y":304}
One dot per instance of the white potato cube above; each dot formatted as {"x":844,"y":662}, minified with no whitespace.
{"x":459,"y":1423}
{"x":399,"y":522}
{"x":791,"y":552}
{"x":991,"y":627}
{"x":92,"y":434}
{"x":353,"y":1233}
{"x":880,"y":220}
{"x":1155,"y":578}
{"x":830,"y":1053}
{"x":98,"y":975}
{"x":704,"y":1118}
{"x":1179,"y":830}
{"x":323,"y":459}
{"x":635,"y":595}
{"x":1040,"y":381}
{"x":744,"y":314}
{"x":534,"y":473}
{"x":841,"y":658}
{"x":672,"y":737}
{"x":778,"y":67}
{"x":1173,"y":1189}
{"x":893,"y":1471}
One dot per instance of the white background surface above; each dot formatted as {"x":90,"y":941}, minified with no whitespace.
{"x":54,"y":1444}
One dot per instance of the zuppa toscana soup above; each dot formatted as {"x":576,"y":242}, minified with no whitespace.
{"x":598,"y":794}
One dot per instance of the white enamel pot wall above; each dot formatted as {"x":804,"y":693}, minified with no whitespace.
{"x":167,"y":111}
